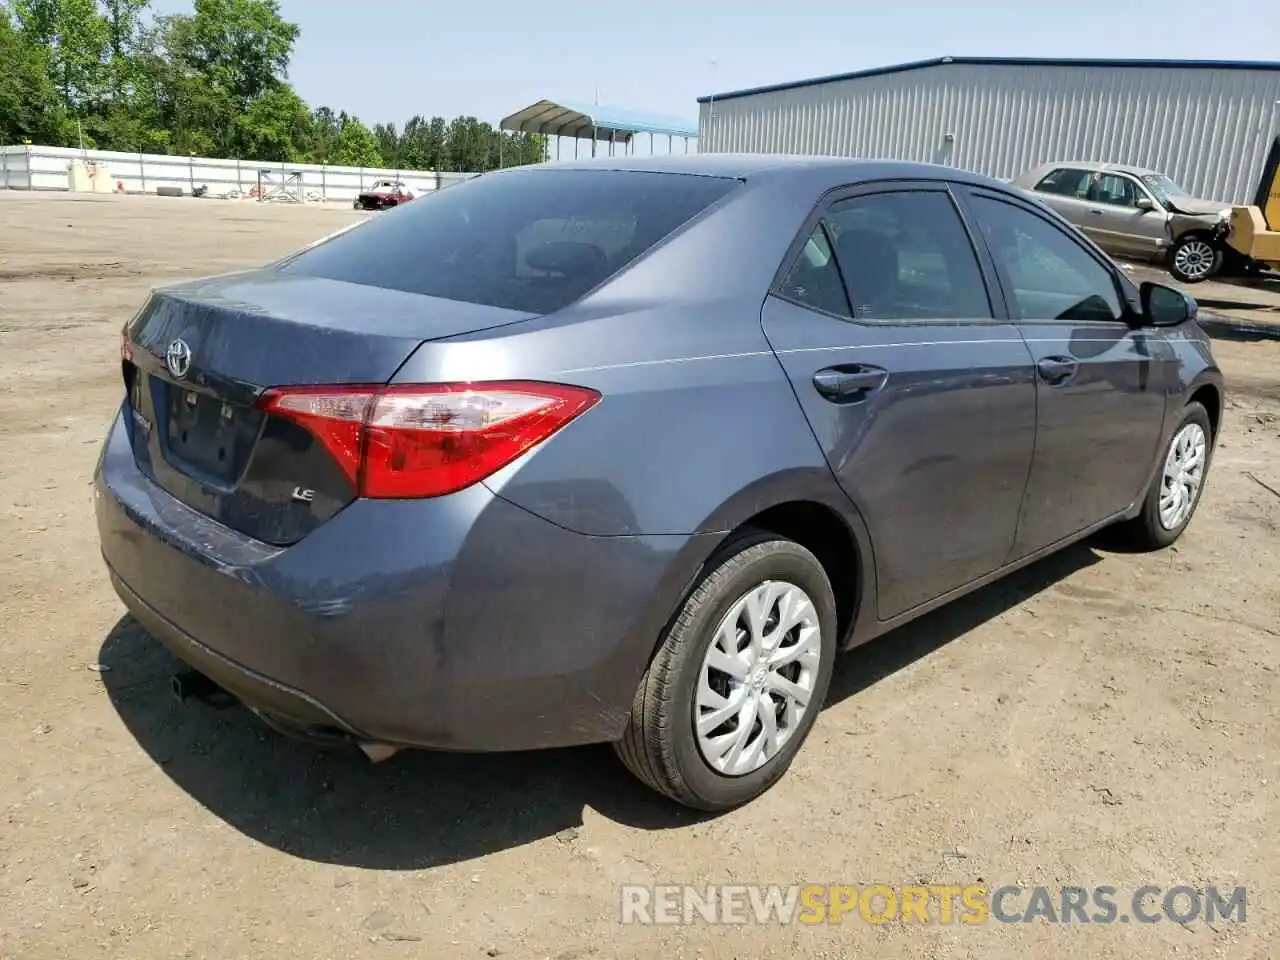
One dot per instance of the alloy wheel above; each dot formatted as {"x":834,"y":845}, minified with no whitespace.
{"x":1183,"y":475}
{"x":757,"y":678}
{"x":1195,"y":259}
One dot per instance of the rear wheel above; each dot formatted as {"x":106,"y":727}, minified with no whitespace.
{"x":740,"y":676}
{"x":1195,"y":258}
{"x":1175,"y":492}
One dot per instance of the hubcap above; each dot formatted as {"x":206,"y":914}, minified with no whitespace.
{"x":757,"y":678}
{"x":1195,"y":258}
{"x":1183,"y":475}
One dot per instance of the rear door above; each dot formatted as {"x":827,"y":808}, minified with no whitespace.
{"x":1100,"y":384}
{"x":921,"y":397}
{"x":1066,"y":191}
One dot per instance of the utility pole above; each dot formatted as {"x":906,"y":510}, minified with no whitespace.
{"x":711,"y":108}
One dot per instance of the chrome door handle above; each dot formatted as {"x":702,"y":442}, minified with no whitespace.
{"x":849,"y":383}
{"x":1057,"y":370}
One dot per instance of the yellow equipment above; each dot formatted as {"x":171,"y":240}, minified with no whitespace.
{"x":1255,"y":230}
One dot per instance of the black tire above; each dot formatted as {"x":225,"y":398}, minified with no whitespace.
{"x":659,"y":745}
{"x":1183,"y":246}
{"x":1146,"y":531}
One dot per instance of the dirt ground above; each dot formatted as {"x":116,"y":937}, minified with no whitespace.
{"x":1100,"y":718}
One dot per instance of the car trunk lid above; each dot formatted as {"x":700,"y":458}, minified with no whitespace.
{"x":199,"y":356}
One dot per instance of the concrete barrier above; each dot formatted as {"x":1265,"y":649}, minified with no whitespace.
{"x":32,"y":167}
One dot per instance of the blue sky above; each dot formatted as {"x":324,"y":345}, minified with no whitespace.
{"x":389,"y":59}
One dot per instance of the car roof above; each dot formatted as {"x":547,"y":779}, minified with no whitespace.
{"x":1095,"y":166}
{"x":751,"y":166}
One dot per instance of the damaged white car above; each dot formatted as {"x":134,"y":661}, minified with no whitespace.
{"x":1138,"y":213}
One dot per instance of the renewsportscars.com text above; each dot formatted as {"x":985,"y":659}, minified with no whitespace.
{"x":934,"y":903}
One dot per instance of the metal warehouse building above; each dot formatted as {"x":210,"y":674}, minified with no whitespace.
{"x":1207,"y":124}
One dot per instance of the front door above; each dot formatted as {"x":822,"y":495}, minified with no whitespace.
{"x":1100,"y":384}
{"x":922,"y":401}
{"x":1120,"y":224}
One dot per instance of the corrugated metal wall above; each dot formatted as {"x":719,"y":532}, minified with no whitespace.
{"x":1208,"y":129}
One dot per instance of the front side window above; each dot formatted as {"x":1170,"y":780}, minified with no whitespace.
{"x":1052,"y":276}
{"x":907,"y":256}
{"x":1116,"y":190}
{"x":527,"y":240}
{"x":1066,"y":182}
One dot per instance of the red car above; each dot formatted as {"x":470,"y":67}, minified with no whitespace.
{"x":383,"y":194}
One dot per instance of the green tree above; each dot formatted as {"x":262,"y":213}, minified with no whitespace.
{"x":325,"y":127}
{"x":30,"y":105}
{"x":515,"y":149}
{"x":355,"y":146}
{"x":211,"y":82}
{"x":220,"y":81}
{"x":422,"y":143}
{"x":243,"y":46}
{"x":388,"y":143}
{"x":119,"y":125}
{"x":75,"y":35}
{"x":276,"y":126}
{"x":124,"y":28}
{"x":198,"y":112}
{"x":468,"y":145}
{"x":532,"y":147}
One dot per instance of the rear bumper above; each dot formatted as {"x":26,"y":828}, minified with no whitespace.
{"x":462,"y":622}
{"x":260,"y":693}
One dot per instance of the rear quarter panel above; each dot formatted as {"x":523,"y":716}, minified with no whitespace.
{"x":698,"y":426}
{"x":695,"y":414}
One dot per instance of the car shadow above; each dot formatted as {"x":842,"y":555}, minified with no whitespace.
{"x":423,"y":809}
{"x":1238,"y":330}
{"x":886,"y":655}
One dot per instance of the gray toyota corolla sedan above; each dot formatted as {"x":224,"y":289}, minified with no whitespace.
{"x":627,"y":451}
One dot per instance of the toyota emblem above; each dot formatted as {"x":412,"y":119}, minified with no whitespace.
{"x":178,"y":358}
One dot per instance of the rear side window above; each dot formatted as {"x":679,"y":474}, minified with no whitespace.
{"x":907,"y":256}
{"x":1066,"y":182}
{"x":528,"y":240}
{"x":814,"y":279}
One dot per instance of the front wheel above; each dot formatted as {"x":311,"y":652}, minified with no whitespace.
{"x":1195,"y":258}
{"x":1175,"y":492}
{"x":739,"y":679}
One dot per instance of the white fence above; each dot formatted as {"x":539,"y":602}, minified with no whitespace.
{"x":51,"y":168}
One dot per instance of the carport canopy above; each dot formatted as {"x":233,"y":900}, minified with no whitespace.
{"x":594,"y":122}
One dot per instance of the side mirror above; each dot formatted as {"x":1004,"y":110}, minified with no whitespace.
{"x":1165,"y":306}
{"x":1145,"y":204}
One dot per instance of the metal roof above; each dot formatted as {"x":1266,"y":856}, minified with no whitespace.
{"x":566,"y":119}
{"x":1006,"y":62}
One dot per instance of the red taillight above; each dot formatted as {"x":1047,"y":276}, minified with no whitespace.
{"x":428,"y":440}
{"x":333,"y":415}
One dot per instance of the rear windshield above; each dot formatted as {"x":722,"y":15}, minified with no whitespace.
{"x":527,"y":240}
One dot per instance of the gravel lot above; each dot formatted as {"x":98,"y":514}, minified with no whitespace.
{"x":1100,"y":718}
